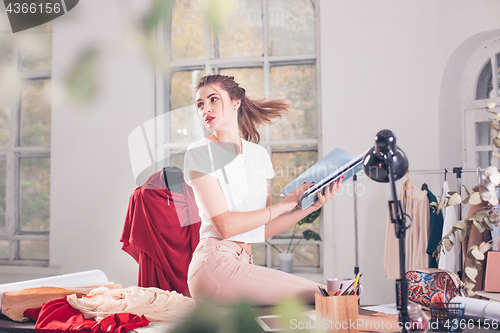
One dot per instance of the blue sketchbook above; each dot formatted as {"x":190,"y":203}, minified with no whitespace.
{"x":335,"y":164}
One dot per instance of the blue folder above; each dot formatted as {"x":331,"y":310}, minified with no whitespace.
{"x":335,"y":164}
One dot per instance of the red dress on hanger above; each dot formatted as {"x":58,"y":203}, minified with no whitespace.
{"x":161,"y":232}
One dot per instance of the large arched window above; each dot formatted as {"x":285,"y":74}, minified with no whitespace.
{"x":25,"y":129}
{"x":269,"y":46}
{"x":482,"y":82}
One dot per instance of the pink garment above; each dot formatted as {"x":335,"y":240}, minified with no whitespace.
{"x":223,"y":272}
{"x":416,"y":204}
{"x":154,"y":303}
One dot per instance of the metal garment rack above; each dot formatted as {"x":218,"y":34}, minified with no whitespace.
{"x":456,"y":170}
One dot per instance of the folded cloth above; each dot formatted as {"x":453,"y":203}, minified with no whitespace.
{"x":58,"y":316}
{"x":154,"y":303}
{"x":14,"y":303}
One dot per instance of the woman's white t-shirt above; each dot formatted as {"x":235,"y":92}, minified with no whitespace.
{"x":242,"y":178}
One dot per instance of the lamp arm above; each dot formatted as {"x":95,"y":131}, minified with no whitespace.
{"x":398,"y":218}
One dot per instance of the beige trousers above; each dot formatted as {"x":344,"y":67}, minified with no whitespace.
{"x":223,"y":272}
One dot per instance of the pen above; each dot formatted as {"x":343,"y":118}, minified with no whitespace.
{"x":346,"y":289}
{"x":356,"y":280}
{"x":340,"y":290}
{"x":323,"y":291}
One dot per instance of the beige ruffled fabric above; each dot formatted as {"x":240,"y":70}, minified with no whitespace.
{"x":156,"y":304}
{"x":14,"y":303}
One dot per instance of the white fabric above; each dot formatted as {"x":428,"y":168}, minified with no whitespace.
{"x":480,"y":308}
{"x":242,"y":178}
{"x":495,"y":233}
{"x":155,"y":304}
{"x":449,"y":260}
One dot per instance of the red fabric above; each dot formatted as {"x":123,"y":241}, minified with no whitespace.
{"x":161,"y":231}
{"x":58,"y":316}
{"x":120,"y":323}
{"x":32,"y":313}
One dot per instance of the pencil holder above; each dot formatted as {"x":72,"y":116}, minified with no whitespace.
{"x":337,"y":314}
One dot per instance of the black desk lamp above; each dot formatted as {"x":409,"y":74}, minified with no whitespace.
{"x":386,"y":163}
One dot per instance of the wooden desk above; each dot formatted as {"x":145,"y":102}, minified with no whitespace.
{"x":492,"y":296}
{"x":7,"y":325}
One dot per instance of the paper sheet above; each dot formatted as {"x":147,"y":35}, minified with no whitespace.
{"x":384,"y":308}
{"x":80,"y":279}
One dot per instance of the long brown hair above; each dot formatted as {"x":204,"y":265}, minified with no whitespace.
{"x":252,"y":113}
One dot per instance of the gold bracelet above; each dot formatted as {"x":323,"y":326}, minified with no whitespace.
{"x":270,"y":212}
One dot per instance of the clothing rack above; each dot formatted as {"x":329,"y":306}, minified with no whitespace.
{"x":456,"y":170}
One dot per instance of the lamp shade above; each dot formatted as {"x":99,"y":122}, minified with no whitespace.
{"x":376,"y":160}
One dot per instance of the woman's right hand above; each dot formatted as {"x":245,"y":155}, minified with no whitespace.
{"x":292,"y":199}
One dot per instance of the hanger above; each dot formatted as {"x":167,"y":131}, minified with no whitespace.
{"x":445,"y":172}
{"x":424,"y":185}
{"x":407,"y":182}
{"x":478,"y":175}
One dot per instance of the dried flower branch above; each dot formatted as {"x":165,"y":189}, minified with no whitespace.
{"x":485,"y":219}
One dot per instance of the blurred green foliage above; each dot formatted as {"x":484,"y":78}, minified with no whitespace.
{"x":238,"y":318}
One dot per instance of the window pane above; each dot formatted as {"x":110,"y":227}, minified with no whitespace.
{"x":35,"y":113}
{"x":3,"y":177}
{"x":36,"y":50}
{"x":304,"y":255}
{"x":187,"y":33}
{"x":34,"y":250}
{"x":5,"y":60}
{"x":4,"y":249}
{"x":34,"y":196}
{"x":483,"y":134}
{"x":241,"y":34}
{"x":296,"y":84}
{"x":484,"y":83}
{"x":498,"y":74}
{"x":483,"y":158}
{"x":6,"y":51}
{"x":252,"y":79}
{"x":182,"y":88}
{"x":177,"y":160}
{"x":259,"y":255}
{"x":287,"y":167}
{"x":291,"y":27}
{"x":185,"y":124}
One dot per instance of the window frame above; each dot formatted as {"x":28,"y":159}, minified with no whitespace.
{"x":266,"y":62}
{"x":474,"y":109}
{"x":13,"y":155}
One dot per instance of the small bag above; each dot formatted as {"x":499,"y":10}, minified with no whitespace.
{"x":427,"y":282}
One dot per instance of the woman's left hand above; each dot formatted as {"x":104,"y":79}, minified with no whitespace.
{"x":329,"y":193}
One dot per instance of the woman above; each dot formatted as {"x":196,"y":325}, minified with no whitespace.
{"x":230,"y":176}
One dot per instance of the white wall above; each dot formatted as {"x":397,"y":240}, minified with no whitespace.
{"x":384,"y":64}
{"x":90,"y":167}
